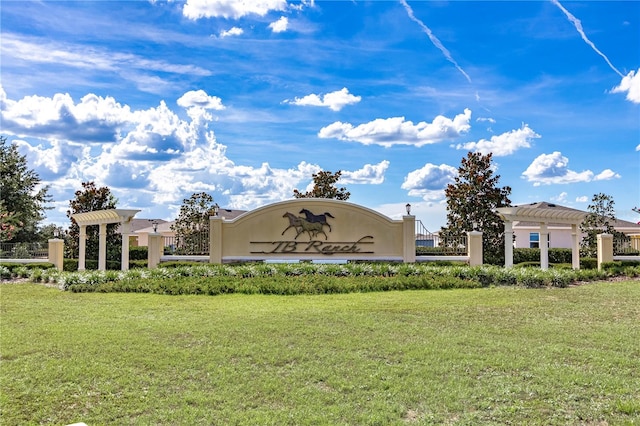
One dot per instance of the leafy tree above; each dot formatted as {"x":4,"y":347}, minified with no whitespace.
{"x":90,"y":199}
{"x":192,"y":225}
{"x":601,"y":219}
{"x":472,"y":200}
{"x":23,"y":199}
{"x":324,"y":187}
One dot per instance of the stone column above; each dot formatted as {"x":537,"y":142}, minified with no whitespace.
{"x":605,"y":249}
{"x":124,"y":256}
{"x":102,"y":248}
{"x":215,"y":239}
{"x":474,"y":248}
{"x":155,"y":249}
{"x":82,"y":248}
{"x":409,"y":239}
{"x":544,"y":247}
{"x":508,"y":244}
{"x":56,"y":253}
{"x":575,"y":247}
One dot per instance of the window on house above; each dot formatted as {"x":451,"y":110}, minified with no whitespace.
{"x":534,"y":240}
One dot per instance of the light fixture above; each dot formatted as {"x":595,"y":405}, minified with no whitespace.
{"x":408,"y":207}
{"x":216,"y":209}
{"x":474,"y":224}
{"x":56,"y":232}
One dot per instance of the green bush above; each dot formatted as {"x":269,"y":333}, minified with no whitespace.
{"x":588,"y":263}
{"x":556,"y":255}
{"x":138,"y":253}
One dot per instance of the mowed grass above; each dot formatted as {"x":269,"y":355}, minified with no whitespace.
{"x":482,"y":356}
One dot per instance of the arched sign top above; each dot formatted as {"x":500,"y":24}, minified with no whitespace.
{"x":317,"y":204}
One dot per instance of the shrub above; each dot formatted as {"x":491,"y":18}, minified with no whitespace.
{"x":138,"y":253}
{"x":588,"y":263}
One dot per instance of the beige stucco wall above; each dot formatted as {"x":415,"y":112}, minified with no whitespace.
{"x":356,"y":233}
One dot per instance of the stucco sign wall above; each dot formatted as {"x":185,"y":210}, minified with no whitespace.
{"x":310,"y":228}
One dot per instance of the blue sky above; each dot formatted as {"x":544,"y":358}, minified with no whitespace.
{"x":161,"y":99}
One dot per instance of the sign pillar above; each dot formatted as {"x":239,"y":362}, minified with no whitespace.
{"x":409,"y":239}
{"x":215,"y":239}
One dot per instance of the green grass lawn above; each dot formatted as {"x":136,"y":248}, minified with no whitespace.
{"x":504,"y":355}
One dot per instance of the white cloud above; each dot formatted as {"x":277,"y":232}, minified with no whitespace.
{"x":582,"y":199}
{"x":234,"y":31}
{"x":335,"y":101}
{"x":153,"y":151}
{"x":91,"y":59}
{"x":607,"y":174}
{"x":504,"y":144}
{"x":553,"y":168}
{"x":638,"y":147}
{"x":195,"y":9}
{"x":280,"y":25}
{"x":200,"y":99}
{"x":397,"y":131}
{"x":430,"y":181}
{"x":561,"y":198}
{"x":369,"y":174}
{"x":631,"y":85}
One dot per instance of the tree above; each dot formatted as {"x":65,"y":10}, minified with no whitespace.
{"x":192,"y":225}
{"x":471,"y":203}
{"x":600,"y":219}
{"x":90,"y":199}
{"x":324,"y":187}
{"x":24,"y":199}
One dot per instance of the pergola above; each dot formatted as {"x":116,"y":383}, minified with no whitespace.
{"x":103,"y":218}
{"x":543,"y":216}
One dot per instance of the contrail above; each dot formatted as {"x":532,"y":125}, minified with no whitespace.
{"x":433,"y":38}
{"x":576,"y":22}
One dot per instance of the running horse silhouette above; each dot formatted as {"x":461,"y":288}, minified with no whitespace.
{"x":317,"y":218}
{"x":301,"y":225}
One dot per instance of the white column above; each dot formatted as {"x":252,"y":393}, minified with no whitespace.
{"x":544,"y":247}
{"x":124,"y":256}
{"x":575,"y":247}
{"x":82,"y":248}
{"x":102,"y":248}
{"x":508,"y":243}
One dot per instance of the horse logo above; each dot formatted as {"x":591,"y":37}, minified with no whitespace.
{"x":317,"y":218}
{"x":312,"y":224}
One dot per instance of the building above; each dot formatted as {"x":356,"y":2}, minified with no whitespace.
{"x":527,"y":234}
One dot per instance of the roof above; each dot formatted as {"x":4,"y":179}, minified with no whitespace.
{"x":98,"y":217}
{"x":543,"y":212}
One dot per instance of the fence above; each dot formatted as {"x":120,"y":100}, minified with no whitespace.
{"x":624,"y":247}
{"x":432,"y":244}
{"x":24,"y":251}
{"x":194,"y":244}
